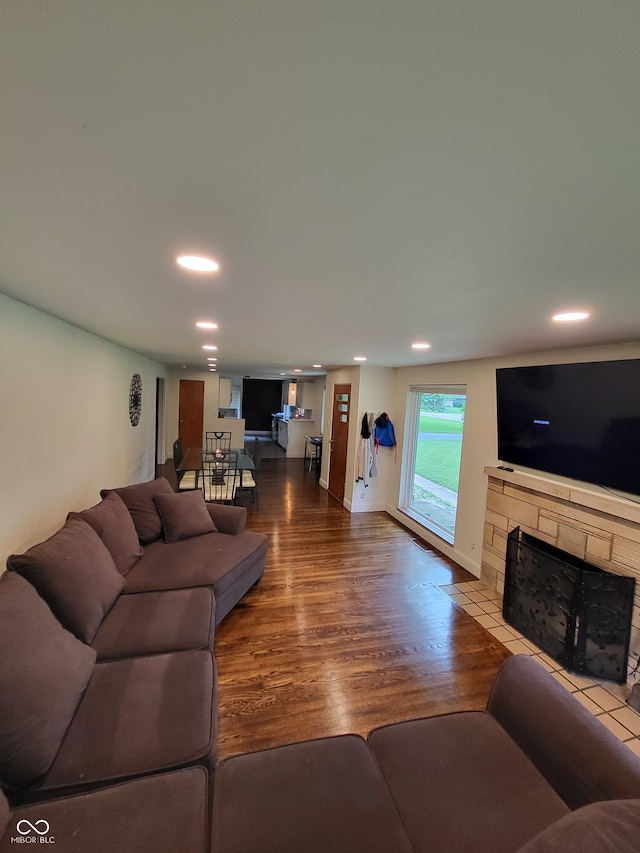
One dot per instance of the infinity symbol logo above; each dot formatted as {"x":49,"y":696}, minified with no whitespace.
{"x":32,"y":827}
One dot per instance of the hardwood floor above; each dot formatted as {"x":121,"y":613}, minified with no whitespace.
{"x":348,"y":628}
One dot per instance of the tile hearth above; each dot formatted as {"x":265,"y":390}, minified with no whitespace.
{"x":604,"y":699}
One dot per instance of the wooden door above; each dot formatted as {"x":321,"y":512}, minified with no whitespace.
{"x":339,"y":440}
{"x":191,"y":412}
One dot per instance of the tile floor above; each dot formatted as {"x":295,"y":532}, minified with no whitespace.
{"x":606,"y":700}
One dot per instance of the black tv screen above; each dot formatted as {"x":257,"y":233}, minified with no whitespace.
{"x":578,"y":420}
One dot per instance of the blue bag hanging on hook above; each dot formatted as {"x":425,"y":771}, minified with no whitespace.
{"x":384,"y":433}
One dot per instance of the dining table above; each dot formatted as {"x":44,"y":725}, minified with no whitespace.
{"x":194,"y":459}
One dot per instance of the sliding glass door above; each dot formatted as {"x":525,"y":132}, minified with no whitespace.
{"x":434,"y":451}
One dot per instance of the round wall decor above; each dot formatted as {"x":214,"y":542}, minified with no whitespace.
{"x":135,"y":399}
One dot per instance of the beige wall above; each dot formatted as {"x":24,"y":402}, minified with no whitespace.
{"x":211,"y":420}
{"x":64,"y":422}
{"x":480,"y":436}
{"x":375,"y":394}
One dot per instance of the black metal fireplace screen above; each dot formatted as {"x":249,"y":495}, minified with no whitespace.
{"x":577,"y":613}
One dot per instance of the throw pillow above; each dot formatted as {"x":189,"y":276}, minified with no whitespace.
{"x":112,"y":521}
{"x":184,"y":515}
{"x":75,"y":574}
{"x":138,"y":499}
{"x":43,"y":674}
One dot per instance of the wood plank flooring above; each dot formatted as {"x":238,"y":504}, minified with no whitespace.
{"x":347,"y":630}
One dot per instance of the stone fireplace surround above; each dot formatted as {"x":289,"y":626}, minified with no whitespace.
{"x":600,"y":528}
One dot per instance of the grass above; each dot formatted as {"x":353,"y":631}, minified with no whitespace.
{"x":430,"y":424}
{"x":439,"y":461}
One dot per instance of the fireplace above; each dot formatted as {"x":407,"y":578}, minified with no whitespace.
{"x":577,"y":613}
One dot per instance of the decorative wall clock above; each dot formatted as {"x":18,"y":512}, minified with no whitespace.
{"x":135,"y":399}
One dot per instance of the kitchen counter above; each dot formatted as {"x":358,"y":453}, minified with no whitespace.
{"x":291,"y":433}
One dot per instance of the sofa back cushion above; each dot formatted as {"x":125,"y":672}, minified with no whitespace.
{"x":112,"y":521}
{"x":75,"y":574}
{"x":184,"y":515}
{"x":139,"y":500}
{"x":607,"y":827}
{"x":44,"y":671}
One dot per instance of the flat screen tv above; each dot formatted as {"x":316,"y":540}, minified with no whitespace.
{"x":577,"y":420}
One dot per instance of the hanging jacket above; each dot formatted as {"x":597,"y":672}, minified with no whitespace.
{"x":384,"y":433}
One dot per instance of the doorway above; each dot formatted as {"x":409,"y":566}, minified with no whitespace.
{"x":191,"y":412}
{"x":339,"y":440}
{"x":160,"y":425}
{"x":261,"y":398}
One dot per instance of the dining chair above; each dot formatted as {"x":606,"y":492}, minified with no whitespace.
{"x":310,"y":454}
{"x":247,"y":481}
{"x":220,"y":477}
{"x":186,"y":479}
{"x":217,"y":441}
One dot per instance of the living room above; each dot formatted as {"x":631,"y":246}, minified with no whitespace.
{"x":367,"y":177}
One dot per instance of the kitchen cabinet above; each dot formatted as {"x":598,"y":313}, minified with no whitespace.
{"x":224,"y":393}
{"x":300,"y":393}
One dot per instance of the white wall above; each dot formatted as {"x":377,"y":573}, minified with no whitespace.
{"x":479,"y":446}
{"x":64,"y":422}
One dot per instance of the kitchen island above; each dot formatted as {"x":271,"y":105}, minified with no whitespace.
{"x":291,"y":435}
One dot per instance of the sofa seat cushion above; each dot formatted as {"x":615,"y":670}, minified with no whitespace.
{"x":112,"y":521}
{"x":151,"y":623}
{"x":75,"y":574}
{"x":44,"y":671}
{"x":158,"y":814}
{"x":460,"y":783}
{"x":316,"y":796}
{"x":230,"y":564}
{"x":137,"y":716}
{"x":139,"y":500}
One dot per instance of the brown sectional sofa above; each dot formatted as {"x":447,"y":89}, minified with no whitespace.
{"x":107,"y":675}
{"x":535,"y":772}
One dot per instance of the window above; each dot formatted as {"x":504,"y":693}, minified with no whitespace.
{"x":432,"y":463}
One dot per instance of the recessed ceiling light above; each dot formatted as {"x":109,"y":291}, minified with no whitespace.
{"x":212,"y":358}
{"x":297,"y":370}
{"x":570,"y":316}
{"x":204,"y":324}
{"x":317,"y":366}
{"x":209,"y":346}
{"x":195,"y":263}
{"x":359,"y":358}
{"x":420,"y":345}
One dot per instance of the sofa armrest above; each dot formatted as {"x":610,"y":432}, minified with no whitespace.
{"x":579,"y":757}
{"x":227,"y":518}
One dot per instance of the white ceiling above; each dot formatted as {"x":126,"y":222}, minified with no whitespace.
{"x":367,"y":173}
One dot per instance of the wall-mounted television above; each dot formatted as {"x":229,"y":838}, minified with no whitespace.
{"x":577,"y":420}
